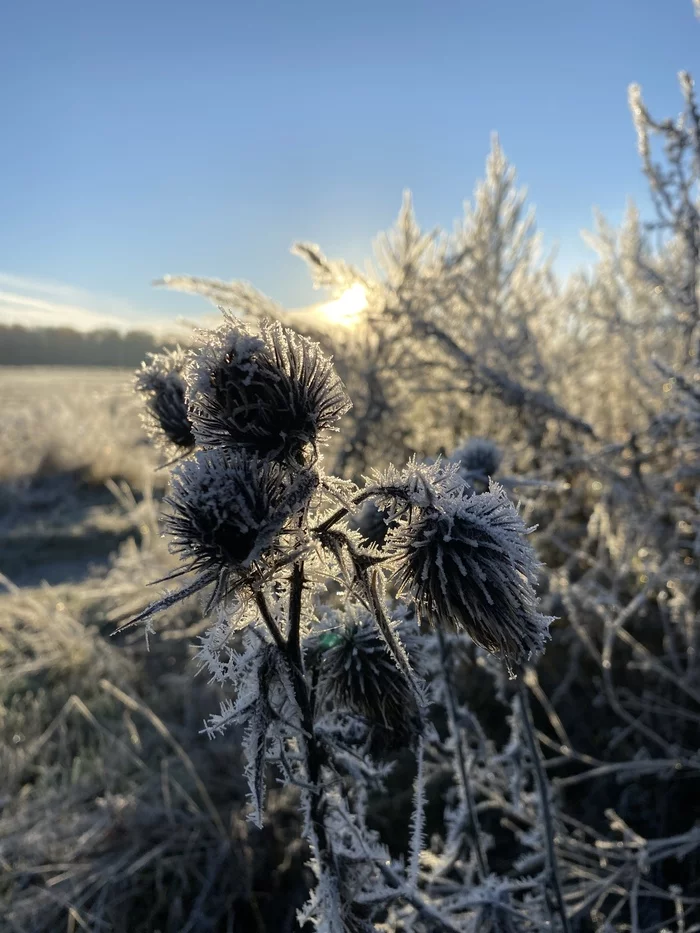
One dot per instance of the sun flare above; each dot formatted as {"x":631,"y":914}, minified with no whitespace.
{"x":346,"y":310}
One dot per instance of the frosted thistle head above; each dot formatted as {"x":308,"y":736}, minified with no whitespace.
{"x":161,"y":381}
{"x":469,"y":567}
{"x":272,"y":395}
{"x":229,"y":512}
{"x":479,"y":458}
{"x":358,"y":673}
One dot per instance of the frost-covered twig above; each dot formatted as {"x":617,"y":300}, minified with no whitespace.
{"x":543,"y":791}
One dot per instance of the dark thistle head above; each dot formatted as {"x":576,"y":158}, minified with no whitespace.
{"x":161,"y":381}
{"x":229,"y":512}
{"x":357,"y":673}
{"x":272,"y":395}
{"x":479,"y":457}
{"x":467,"y":564}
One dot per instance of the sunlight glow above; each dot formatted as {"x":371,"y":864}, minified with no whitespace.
{"x":346,"y":310}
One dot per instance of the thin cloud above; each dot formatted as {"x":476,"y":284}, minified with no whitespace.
{"x":41,"y":303}
{"x":38,"y":312}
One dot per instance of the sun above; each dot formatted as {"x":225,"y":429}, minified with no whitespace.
{"x":346,"y":310}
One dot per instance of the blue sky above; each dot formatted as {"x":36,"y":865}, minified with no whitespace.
{"x":140,"y":139}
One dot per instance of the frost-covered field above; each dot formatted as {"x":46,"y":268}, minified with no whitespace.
{"x":65,"y":434}
{"x":114,"y":811}
{"x":64,"y":419}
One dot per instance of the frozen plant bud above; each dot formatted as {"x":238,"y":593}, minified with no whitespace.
{"x":271,"y":394}
{"x":160,"y":379}
{"x":469,"y":567}
{"x":228,"y":512}
{"x":358,"y":673}
{"x":479,"y":457}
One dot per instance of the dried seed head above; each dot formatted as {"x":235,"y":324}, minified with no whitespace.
{"x":469,"y":567}
{"x":272,"y":395}
{"x":229,"y":510}
{"x":160,"y":379}
{"x":479,"y":457}
{"x":357,"y":672}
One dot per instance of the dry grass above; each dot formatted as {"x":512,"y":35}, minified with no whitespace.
{"x":72,"y":420}
{"x":116,"y":814}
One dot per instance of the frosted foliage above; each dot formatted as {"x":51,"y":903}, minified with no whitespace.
{"x":264,"y":704}
{"x":460,"y":314}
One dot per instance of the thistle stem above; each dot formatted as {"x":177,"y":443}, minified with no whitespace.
{"x":543,"y":794}
{"x":331,"y":520}
{"x":397,"y":650}
{"x":342,"y":512}
{"x":294,"y":633}
{"x":261,"y":603}
{"x":315,"y":754}
{"x":461,"y":762}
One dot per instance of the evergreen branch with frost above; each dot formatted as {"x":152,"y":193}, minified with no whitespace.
{"x":674,"y":186}
{"x":239,"y":296}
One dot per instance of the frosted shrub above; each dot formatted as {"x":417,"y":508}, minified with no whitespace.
{"x":456,"y":334}
{"x":323,"y":661}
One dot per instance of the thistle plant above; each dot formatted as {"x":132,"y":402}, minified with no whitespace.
{"x":357,"y":673}
{"x":311,"y":621}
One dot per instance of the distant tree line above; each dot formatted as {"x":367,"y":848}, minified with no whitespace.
{"x":63,"y":346}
